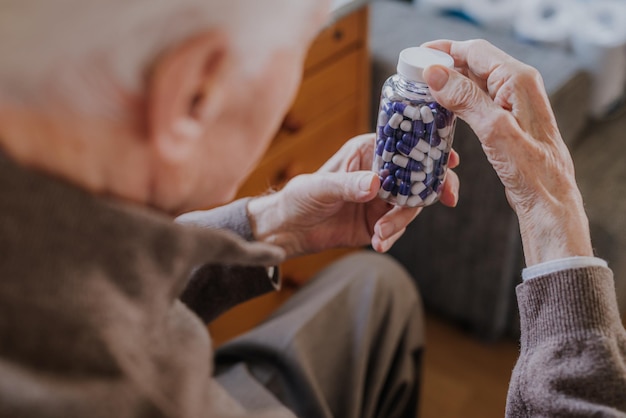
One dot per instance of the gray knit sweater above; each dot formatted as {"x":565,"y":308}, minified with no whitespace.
{"x":91,"y":322}
{"x":573,"y":348}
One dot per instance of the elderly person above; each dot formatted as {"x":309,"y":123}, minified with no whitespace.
{"x":116,"y":116}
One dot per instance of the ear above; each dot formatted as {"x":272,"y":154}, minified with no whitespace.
{"x":184,"y":94}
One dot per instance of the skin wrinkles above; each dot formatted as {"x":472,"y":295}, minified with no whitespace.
{"x":521,"y":94}
{"x":331,"y":205}
{"x":505,"y":103}
{"x":501,"y":126}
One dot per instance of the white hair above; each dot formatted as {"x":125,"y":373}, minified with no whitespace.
{"x":92,"y":52}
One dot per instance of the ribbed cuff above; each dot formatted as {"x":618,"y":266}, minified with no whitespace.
{"x":569,"y":304}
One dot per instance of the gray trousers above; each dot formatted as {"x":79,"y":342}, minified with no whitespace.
{"x":348,"y":344}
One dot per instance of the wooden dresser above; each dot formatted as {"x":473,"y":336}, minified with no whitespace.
{"x":331,"y":107}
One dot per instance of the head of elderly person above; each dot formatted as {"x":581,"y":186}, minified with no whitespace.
{"x":164,"y":103}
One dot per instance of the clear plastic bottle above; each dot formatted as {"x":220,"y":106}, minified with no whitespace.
{"x":414,"y":133}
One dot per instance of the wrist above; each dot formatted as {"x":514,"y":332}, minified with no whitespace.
{"x":267,"y":223}
{"x":262,"y":216}
{"x":555,"y":229}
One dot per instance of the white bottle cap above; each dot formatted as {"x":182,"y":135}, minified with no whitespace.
{"x":413,"y":61}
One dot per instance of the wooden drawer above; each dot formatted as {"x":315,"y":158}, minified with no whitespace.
{"x":337,"y":37}
{"x":313,"y":147}
{"x":320,"y":93}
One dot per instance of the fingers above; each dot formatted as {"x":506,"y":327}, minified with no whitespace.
{"x":354,"y":155}
{"x":478,"y":56}
{"x":462,"y":96}
{"x":511,"y":84}
{"x":454,"y":160}
{"x":391,"y":226}
{"x":330,"y":188}
{"x":450,"y":191}
{"x":382,"y":246}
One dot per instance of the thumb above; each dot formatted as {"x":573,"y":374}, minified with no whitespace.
{"x":356,"y":186}
{"x":461,"y":95}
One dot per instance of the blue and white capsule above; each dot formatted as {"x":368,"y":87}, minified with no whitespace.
{"x":404,"y":192}
{"x":410,"y":152}
{"x":422,"y":146}
{"x":408,"y":163}
{"x":389,"y":150}
{"x":406,"y":126}
{"x":412,"y":176}
{"x":395,"y":120}
{"x":427,"y":115}
{"x":387,"y":186}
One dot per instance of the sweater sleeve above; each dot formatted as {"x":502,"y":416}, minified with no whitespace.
{"x":213,"y":289}
{"x":573,"y":347}
{"x":233,"y":217}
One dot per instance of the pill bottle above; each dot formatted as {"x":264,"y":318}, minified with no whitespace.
{"x":413,"y":133}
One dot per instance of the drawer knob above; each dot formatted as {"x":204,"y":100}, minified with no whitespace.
{"x":281,"y":177}
{"x":291,"y":125}
{"x":286,"y":173}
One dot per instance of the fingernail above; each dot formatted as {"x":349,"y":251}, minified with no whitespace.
{"x":386,"y":230}
{"x":436,"y":77}
{"x":365,"y":183}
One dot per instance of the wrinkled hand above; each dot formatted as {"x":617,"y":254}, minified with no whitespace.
{"x":505,"y":103}
{"x":337,"y":206}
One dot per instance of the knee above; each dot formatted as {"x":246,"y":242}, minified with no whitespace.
{"x":384,"y":281}
{"x":381,"y":268}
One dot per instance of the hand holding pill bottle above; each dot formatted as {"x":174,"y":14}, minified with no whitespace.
{"x":414,"y":133}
